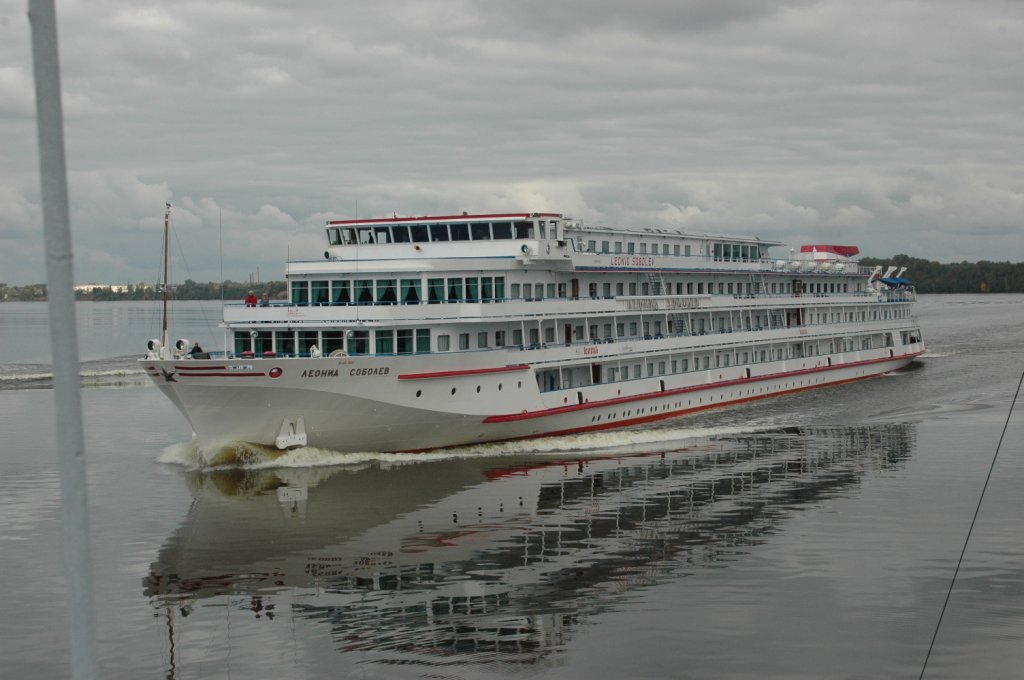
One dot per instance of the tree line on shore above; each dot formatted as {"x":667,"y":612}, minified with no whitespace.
{"x":189,"y":290}
{"x":928,"y":277}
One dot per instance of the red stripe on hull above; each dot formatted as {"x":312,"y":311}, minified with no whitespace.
{"x":470,"y":371}
{"x":232,"y":374}
{"x":683,"y":390}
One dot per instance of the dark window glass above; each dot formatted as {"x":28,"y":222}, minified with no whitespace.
{"x":460,"y":232}
{"x":481,"y":231}
{"x":502,"y":230}
{"x":438,"y":232}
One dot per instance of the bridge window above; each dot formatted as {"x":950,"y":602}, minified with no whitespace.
{"x":524,"y":229}
{"x":300,"y":292}
{"x":438,"y":232}
{"x":400,"y":233}
{"x":459,"y":231}
{"x":502,"y":230}
{"x":381,"y":235}
{"x":419,"y":233}
{"x":481,"y":231}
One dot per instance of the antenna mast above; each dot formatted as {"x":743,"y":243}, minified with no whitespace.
{"x":167,"y":228}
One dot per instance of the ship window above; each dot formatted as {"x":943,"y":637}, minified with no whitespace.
{"x":348,"y":236}
{"x":487,"y":288}
{"x":454,"y":290}
{"x":592,"y":246}
{"x":730,"y":288}
{"x":606,"y":290}
{"x":502,"y":230}
{"x":422,"y":340}
{"x":618,"y":246}
{"x":643,"y":248}
{"x":443,"y":343}
{"x":242,"y":342}
{"x":334,"y":237}
{"x":381,"y":235}
{"x":524,"y":229}
{"x":684,"y":364}
{"x":481,"y":339}
{"x":332,"y":340}
{"x":385,"y":342}
{"x":438,"y":232}
{"x":419,"y":233}
{"x":549,"y":334}
{"x":364,"y":291}
{"x":632,"y":329}
{"x":473,"y":289}
{"x":435,"y":290}
{"x":517,"y":336}
{"x":341,"y":292}
{"x":675,"y":249}
{"x":499,"y":338}
{"x":411,"y":291}
{"x":403,"y":344}
{"x":632,"y":287}
{"x":604,"y":246}
{"x":481,"y":231}
{"x":592,"y":290}
{"x":527,"y":291}
{"x":320,"y":296}
{"x":534,"y":336}
{"x":463,"y":340}
{"x":630,"y":248}
{"x":386,"y":291}
{"x":721,"y":288}
{"x":358,"y":342}
{"x":625,"y":372}
{"x":400,"y":233}
{"x":365,"y":234}
{"x":515,"y":291}
{"x":551,"y":290}
{"x":284,"y":343}
{"x":620,"y":330}
{"x":460,"y":231}
{"x":300,"y":292}
{"x":306,"y":341}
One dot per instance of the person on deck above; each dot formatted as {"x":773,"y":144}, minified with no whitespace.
{"x":251,"y":300}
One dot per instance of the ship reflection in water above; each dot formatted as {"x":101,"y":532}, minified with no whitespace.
{"x":486,"y":560}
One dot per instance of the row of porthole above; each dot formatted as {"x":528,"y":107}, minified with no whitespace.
{"x":700,"y":400}
{"x":519,"y":386}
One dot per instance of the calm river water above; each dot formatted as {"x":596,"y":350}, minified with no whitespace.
{"x":810,"y":536}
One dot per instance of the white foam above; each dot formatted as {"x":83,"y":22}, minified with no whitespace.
{"x":215,"y":455}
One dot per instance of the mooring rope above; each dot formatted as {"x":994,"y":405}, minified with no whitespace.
{"x":956,"y":572}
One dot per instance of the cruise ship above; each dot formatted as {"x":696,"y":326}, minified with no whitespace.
{"x":428,"y":332}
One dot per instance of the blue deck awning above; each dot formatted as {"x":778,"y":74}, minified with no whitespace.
{"x":896,"y":281}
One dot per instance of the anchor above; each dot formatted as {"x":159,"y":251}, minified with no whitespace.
{"x":292,"y":434}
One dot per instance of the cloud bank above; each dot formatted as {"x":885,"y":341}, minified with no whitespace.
{"x":891,"y":125}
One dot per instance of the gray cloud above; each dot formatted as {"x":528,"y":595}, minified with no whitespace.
{"x":892,"y":125}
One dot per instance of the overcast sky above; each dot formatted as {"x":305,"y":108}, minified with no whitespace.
{"x":896,"y":126}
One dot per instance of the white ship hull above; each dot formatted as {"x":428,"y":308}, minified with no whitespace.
{"x":229,"y":401}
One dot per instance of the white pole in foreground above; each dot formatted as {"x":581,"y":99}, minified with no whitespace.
{"x":64,"y":339}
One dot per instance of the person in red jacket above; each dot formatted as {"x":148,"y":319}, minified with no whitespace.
{"x":251,"y":300}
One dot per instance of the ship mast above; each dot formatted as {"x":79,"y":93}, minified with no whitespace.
{"x":167,"y":222}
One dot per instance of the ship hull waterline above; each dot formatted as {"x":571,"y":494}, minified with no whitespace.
{"x":377,"y":408}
